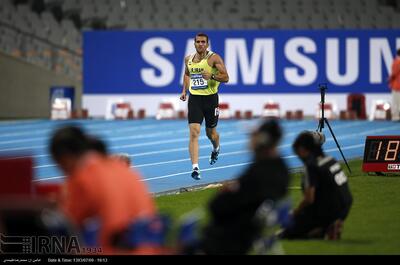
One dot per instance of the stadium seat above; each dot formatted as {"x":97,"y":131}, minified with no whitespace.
{"x":298,"y":115}
{"x":356,"y":102}
{"x":141,"y":114}
{"x":224,"y":111}
{"x":80,"y":114}
{"x":255,"y":14}
{"x":122,"y":111}
{"x":50,"y":37}
{"x":181,"y":114}
{"x":50,"y":4}
{"x":330,"y":109}
{"x":166,"y":110}
{"x":271,"y":110}
{"x":117,"y":108}
{"x":348,"y":115}
{"x":61,"y":109}
{"x":380,"y":110}
{"x":248,"y":114}
{"x":71,"y":7}
{"x":238,"y":114}
{"x":289,"y":115}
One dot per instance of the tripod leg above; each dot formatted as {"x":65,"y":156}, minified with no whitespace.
{"x":320,"y":125}
{"x":337,"y":144}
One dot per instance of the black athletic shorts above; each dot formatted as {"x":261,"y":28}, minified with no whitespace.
{"x":203,"y":107}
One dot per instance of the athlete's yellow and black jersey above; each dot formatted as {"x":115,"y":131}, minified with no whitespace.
{"x":198,"y":85}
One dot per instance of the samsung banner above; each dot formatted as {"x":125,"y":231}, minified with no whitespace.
{"x":268,"y":61}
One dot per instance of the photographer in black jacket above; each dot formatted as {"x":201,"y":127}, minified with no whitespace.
{"x":326,"y":195}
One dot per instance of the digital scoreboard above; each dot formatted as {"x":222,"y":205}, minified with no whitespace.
{"x":382,"y":154}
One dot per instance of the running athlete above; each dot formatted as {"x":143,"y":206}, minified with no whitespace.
{"x":204,"y":71}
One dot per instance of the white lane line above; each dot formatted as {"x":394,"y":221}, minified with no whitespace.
{"x":115,"y":147}
{"x":207,"y":146}
{"x":189,"y":172}
{"x":30,"y":148}
{"x":110,"y":131}
{"x":23,"y":140}
{"x":239,"y":124}
{"x":243,"y":164}
{"x":20,"y":122}
{"x":37,"y":128}
{"x":188,"y":159}
{"x":215,"y":168}
{"x":125,"y":129}
{"x":124,"y":146}
{"x":27,"y":148}
{"x":142,"y":136}
{"x":177,"y":150}
{"x":99,"y":127}
{"x":127,"y":125}
{"x":121,"y":138}
{"x":49,"y":178}
{"x":163,"y":151}
{"x":106,"y":132}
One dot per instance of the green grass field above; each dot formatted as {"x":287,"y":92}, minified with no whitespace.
{"x":373,"y":226}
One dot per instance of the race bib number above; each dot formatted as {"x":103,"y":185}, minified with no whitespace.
{"x":198,"y":82}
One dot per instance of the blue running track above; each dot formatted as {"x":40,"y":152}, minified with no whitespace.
{"x":159,"y":149}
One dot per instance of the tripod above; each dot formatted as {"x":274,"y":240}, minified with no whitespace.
{"x":323,"y":120}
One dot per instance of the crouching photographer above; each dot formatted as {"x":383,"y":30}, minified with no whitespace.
{"x":326,"y":195}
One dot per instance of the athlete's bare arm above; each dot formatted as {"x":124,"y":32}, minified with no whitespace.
{"x":216,"y":61}
{"x":186,"y":81}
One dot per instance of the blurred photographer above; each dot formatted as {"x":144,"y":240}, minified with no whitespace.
{"x":100,"y":187}
{"x":233,"y":228}
{"x":326,"y":195}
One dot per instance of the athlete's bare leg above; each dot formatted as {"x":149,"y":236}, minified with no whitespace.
{"x":194,"y":142}
{"x":213,"y":135}
{"x":214,"y":138}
